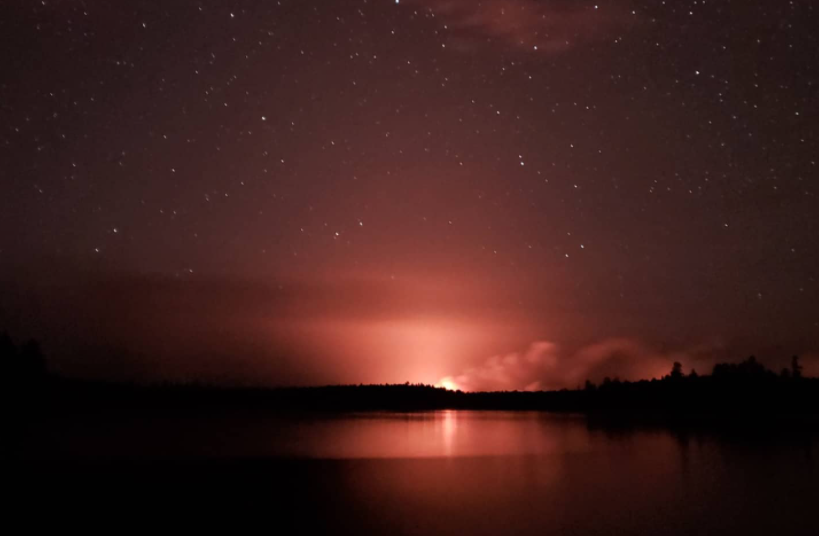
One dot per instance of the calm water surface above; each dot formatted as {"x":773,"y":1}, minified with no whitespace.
{"x":458,"y":472}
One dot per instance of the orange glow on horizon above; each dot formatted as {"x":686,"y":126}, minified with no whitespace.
{"x":448,"y":384}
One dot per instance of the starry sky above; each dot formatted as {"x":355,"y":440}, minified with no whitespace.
{"x":494,"y":193}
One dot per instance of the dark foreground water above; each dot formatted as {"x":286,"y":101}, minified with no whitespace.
{"x":448,"y":472}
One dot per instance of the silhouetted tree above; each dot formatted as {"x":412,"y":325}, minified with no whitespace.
{"x":694,"y":374}
{"x":676,"y":371}
{"x":9,"y":359}
{"x":33,"y":366}
{"x":750,"y":368}
{"x":23,"y":375}
{"x":6,"y":344}
{"x":785,"y":374}
{"x":796,"y":368}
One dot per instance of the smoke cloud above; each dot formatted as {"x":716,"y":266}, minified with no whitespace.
{"x":545,"y":366}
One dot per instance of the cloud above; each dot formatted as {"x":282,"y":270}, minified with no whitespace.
{"x":545,"y":26}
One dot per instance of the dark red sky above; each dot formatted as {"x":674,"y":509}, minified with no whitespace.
{"x":502,"y":192}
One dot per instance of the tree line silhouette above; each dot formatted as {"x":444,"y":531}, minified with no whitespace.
{"x":23,"y":376}
{"x":745,"y":391}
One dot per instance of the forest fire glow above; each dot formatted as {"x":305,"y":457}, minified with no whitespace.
{"x":448,"y":384}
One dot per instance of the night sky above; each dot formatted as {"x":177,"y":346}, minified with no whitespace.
{"x":505,"y":193}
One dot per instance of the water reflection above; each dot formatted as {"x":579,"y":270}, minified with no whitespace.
{"x":449,"y":422}
{"x":427,"y":435}
{"x":378,"y":435}
{"x":460,"y":472}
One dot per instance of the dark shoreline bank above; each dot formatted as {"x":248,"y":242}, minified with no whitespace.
{"x":703,"y":401}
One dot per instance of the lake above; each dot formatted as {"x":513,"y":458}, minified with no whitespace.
{"x":444,"y":472}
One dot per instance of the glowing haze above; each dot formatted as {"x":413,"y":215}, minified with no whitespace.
{"x":505,"y":194}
